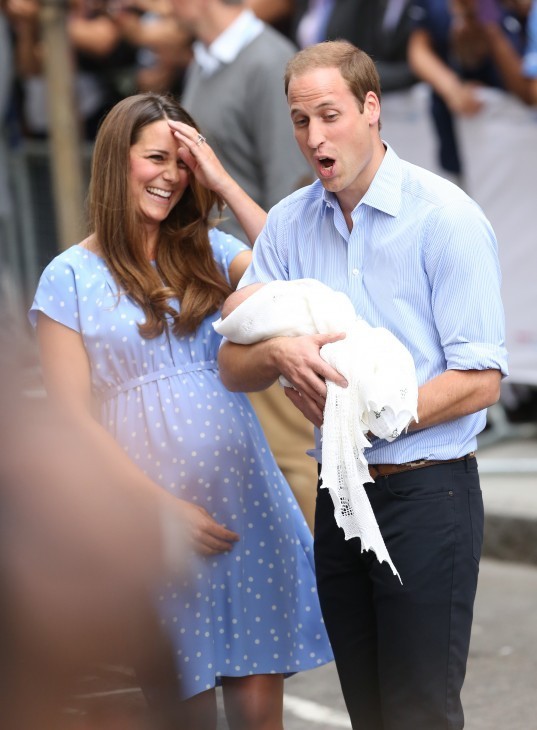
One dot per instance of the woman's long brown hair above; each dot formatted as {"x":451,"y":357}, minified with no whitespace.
{"x":185,"y":267}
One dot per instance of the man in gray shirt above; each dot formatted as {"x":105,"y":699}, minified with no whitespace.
{"x":234,"y":90}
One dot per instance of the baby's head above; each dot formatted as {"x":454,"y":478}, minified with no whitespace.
{"x":238,"y":297}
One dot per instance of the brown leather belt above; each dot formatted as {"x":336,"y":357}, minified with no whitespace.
{"x":385,"y":470}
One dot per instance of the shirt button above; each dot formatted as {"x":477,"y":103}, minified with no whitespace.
{"x":356,"y":272}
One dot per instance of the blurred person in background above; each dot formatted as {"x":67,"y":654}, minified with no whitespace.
{"x":163,"y":47}
{"x":518,"y":399}
{"x":530,"y":54}
{"x":104,"y":63}
{"x":379,"y":27}
{"x":278,"y":13}
{"x":6,"y":89}
{"x":233,"y":89}
{"x":128,"y":351}
{"x":458,"y":45}
{"x":6,"y":70}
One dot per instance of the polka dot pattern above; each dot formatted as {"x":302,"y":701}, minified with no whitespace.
{"x":255,"y":609}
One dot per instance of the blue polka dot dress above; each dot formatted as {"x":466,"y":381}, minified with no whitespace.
{"x":254,"y":610}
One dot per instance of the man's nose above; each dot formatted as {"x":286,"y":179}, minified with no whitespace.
{"x":315,"y":135}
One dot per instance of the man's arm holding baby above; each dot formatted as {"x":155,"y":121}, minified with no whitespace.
{"x":249,"y":368}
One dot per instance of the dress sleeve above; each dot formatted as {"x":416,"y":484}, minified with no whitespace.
{"x":225,"y":248}
{"x":56,"y":295}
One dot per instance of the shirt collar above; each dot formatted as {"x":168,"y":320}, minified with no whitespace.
{"x":384,"y":193}
{"x":225,"y":49}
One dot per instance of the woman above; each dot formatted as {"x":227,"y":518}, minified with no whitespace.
{"x":124,"y":325}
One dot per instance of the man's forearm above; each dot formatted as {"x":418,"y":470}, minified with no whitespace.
{"x":454,"y":394}
{"x":247,"y":368}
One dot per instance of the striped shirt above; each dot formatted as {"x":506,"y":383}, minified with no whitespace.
{"x":421,"y":260}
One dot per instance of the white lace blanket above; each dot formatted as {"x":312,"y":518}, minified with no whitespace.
{"x":381,"y":397}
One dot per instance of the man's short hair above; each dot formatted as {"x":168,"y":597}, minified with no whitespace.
{"x":356,"y":67}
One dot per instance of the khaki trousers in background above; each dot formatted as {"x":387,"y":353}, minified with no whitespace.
{"x":289,"y":435}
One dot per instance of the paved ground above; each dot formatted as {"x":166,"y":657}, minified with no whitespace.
{"x":508,"y":468}
{"x":501,"y":680}
{"x":500,"y":685}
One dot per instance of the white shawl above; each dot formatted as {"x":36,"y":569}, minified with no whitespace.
{"x":381,"y":396}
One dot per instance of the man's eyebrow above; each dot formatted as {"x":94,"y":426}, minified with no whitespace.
{"x":321,"y":105}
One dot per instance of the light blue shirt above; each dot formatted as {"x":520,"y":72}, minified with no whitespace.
{"x":421,"y":260}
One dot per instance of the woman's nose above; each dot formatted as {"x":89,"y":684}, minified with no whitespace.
{"x":171,"y":172}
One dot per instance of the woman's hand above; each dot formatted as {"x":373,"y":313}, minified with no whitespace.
{"x":207,"y":536}
{"x":200,"y":158}
{"x":196,"y":152}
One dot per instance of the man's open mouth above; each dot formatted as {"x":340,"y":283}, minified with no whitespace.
{"x":326,"y":165}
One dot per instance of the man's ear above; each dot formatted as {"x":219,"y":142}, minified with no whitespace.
{"x":372,"y":107}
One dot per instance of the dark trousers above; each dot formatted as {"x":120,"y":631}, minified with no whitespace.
{"x":401,"y":650}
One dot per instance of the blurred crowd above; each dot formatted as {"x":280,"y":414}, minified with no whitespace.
{"x":124,"y":46}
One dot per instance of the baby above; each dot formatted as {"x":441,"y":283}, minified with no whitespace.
{"x":238,"y":297}
{"x":382,"y":391}
{"x":299,"y":307}
{"x":369,"y":355}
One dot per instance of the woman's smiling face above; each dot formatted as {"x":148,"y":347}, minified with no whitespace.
{"x":158,"y":177}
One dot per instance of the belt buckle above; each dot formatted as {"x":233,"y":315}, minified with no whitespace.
{"x":416,"y":464}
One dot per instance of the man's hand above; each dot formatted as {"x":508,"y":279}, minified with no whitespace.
{"x":311,"y":409}
{"x":301,"y":364}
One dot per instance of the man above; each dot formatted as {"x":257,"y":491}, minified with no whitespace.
{"x":233,"y":89}
{"x":415,"y":255}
